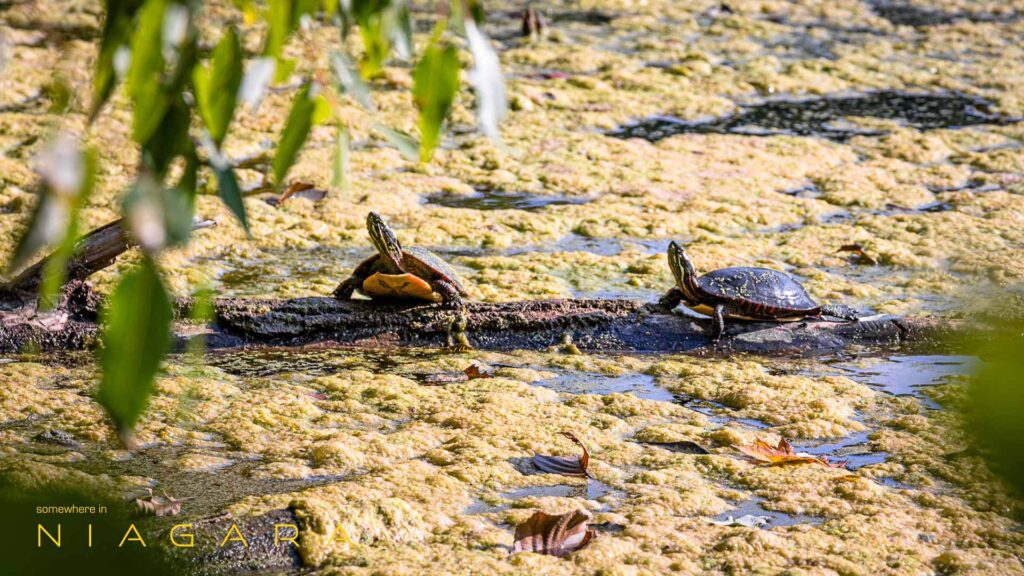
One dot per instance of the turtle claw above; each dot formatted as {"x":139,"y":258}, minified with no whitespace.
{"x":458,"y":343}
{"x":455,"y":336}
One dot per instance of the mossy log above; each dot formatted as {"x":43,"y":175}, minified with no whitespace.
{"x":588,"y":324}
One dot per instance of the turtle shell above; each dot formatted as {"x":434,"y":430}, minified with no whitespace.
{"x":761,"y":287}
{"x":427,"y":265}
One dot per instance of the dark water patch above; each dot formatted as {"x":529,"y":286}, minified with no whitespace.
{"x":681,"y":447}
{"x":771,"y":518}
{"x":854,"y":449}
{"x":809,"y":190}
{"x":974,"y":185}
{"x":591,"y":17}
{"x":902,"y":13}
{"x":499,"y":200}
{"x":911,"y":375}
{"x":826,"y":116}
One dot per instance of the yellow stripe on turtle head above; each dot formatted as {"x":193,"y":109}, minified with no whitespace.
{"x":399,"y":286}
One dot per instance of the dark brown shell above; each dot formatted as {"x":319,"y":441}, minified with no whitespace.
{"x":761,"y":287}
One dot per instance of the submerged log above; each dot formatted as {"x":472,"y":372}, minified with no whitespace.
{"x":590,"y":325}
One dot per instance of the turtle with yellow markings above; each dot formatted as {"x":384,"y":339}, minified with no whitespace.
{"x":407,"y":274}
{"x":742,"y":293}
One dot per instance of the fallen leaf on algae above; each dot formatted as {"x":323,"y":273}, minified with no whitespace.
{"x":153,"y":505}
{"x":783,"y":454}
{"x":862,"y":257}
{"x":565,"y":465}
{"x":472,"y":373}
{"x":555,"y":535}
{"x":475,"y":371}
{"x":299,"y":190}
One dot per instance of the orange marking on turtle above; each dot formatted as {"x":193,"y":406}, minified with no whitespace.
{"x":402,"y":286}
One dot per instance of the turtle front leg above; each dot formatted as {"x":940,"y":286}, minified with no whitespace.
{"x":840,"y":311}
{"x":719,"y":322}
{"x":671,"y":299}
{"x":347,"y":287}
{"x":455,"y":335}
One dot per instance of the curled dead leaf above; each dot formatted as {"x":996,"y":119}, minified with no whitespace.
{"x":299,"y":190}
{"x":157,"y":507}
{"x":862,"y":257}
{"x":555,"y":535}
{"x":475,"y":371}
{"x":565,"y":465}
{"x":783,"y":454}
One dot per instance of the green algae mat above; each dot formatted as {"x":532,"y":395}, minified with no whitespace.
{"x":872,"y":150}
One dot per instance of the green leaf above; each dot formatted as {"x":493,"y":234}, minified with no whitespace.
{"x":216,"y":86}
{"x":435,"y":83}
{"x":995,"y":398}
{"x":488,"y":81}
{"x":296,"y":130}
{"x":404,"y":142}
{"x":351,"y":81}
{"x":145,"y":87}
{"x":322,"y":111}
{"x":67,"y":180}
{"x":231,"y":194}
{"x":170,"y":138}
{"x":342,"y":151}
{"x":201,"y":312}
{"x":136,"y":333}
{"x":400,"y":29}
{"x":279,"y":26}
{"x":117,"y":29}
{"x":283,"y":17}
{"x":55,"y":273}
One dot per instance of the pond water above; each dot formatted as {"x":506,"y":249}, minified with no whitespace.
{"x":828,"y":116}
{"x":910,"y":375}
{"x":500,"y":200}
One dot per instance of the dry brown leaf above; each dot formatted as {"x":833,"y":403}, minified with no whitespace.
{"x":475,"y":371}
{"x":783,"y":454}
{"x":565,"y":465}
{"x":471,"y":373}
{"x":555,"y":535}
{"x":858,"y":251}
{"x":153,"y":505}
{"x":299,"y":190}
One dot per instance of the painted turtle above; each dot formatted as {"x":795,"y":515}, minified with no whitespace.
{"x":758,"y":294}
{"x":396,"y":273}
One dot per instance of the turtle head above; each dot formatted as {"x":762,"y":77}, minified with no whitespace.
{"x":384,"y":240}
{"x":680,"y":263}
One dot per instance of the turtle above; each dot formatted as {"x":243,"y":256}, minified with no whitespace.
{"x":407,"y":274}
{"x":743,"y":293}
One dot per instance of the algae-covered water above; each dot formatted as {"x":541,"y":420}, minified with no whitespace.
{"x":759,"y":132}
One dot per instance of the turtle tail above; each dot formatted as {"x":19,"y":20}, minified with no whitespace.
{"x":840,"y":311}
